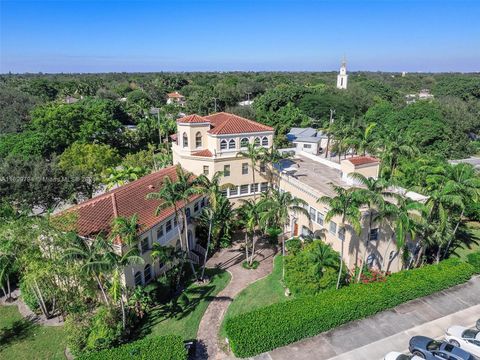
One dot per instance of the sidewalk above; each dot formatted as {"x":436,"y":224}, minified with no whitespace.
{"x":390,"y":330}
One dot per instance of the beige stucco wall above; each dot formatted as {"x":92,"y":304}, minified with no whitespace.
{"x":353,"y":245}
{"x":168,"y":239}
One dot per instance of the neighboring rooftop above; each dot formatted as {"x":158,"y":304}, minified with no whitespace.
{"x":305,"y":135}
{"x":95,"y":216}
{"x":223,"y":123}
{"x":313,"y":174}
{"x":474,"y":161}
{"x":362,"y":160}
{"x":175,"y":94}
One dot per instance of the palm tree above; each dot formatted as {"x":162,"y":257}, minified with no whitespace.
{"x":212,"y":189}
{"x":117,"y":263}
{"x":323,"y":256}
{"x":121,"y":176}
{"x":467,"y":182}
{"x":276,"y":208}
{"x":373,"y":194}
{"x":254,"y":154}
{"x":272,"y":157}
{"x":90,"y":253}
{"x":176,"y":194}
{"x":345,"y":204}
{"x":166,"y":255}
{"x":393,"y":150}
{"x":249,"y":215}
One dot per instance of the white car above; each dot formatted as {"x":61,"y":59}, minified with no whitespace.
{"x":464,"y":338}
{"x":399,"y":356}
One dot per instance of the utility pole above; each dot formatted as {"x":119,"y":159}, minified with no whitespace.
{"x":215,"y":99}
{"x":332,"y":111}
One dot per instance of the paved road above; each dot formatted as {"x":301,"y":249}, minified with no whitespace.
{"x":390,"y":330}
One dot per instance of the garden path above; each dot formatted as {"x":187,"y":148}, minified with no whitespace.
{"x":229,"y":259}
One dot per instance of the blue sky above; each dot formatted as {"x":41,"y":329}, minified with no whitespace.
{"x":181,"y":35}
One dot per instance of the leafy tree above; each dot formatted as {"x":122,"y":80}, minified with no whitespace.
{"x":16,"y":106}
{"x":88,"y":162}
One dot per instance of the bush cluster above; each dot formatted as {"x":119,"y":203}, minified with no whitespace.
{"x":474,"y":260}
{"x":168,"y":347}
{"x":283,"y":323}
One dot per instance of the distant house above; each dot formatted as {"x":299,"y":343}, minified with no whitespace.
{"x":424,"y":94}
{"x":176,"y":98}
{"x":308,"y":139}
{"x":70,"y":100}
{"x":246,"y":103}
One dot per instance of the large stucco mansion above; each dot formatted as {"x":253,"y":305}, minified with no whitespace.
{"x":207,"y":144}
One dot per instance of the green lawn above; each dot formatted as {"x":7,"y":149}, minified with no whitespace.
{"x":20,"y":339}
{"x":263,"y":292}
{"x":472,"y":243}
{"x":186,"y":323}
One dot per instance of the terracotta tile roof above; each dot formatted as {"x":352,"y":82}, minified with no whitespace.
{"x":225,"y":123}
{"x":362,"y":160}
{"x":95,"y":215}
{"x":204,"y":153}
{"x":193,"y":119}
{"x":175,"y":94}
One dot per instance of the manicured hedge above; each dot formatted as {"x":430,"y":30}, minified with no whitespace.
{"x":283,"y":323}
{"x":474,"y":260}
{"x":168,"y":347}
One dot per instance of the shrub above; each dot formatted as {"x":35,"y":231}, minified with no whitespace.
{"x":293,"y":246}
{"x":283,"y":323}
{"x":28,"y":297}
{"x":77,"y":330}
{"x":254,"y":265}
{"x":168,"y":347}
{"x":474,"y":260}
{"x":105,"y":330}
{"x":311,"y":269}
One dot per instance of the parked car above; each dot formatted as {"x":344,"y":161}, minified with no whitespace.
{"x":399,"y":356}
{"x":430,"y":349}
{"x":464,"y":338}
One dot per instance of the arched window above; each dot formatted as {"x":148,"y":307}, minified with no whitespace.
{"x":231,"y":144}
{"x":223,"y":144}
{"x":257,"y":141}
{"x":138,"y":278}
{"x":198,"y":139}
{"x":265,"y":141}
{"x":244,"y":142}
{"x":147,"y":273}
{"x":185,"y":140}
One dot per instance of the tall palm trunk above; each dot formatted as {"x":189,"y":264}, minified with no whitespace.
{"x":185,"y":233}
{"x":208,"y":246}
{"x":328,"y":146}
{"x":385,"y":254}
{"x":124,"y":315}
{"x":341,"y":256}
{"x":38,"y":295}
{"x":254,"y":237}
{"x":253,"y":178}
{"x":453,"y":235}
{"x":246,"y":246}
{"x":364,"y":256}
{"x":97,"y":278}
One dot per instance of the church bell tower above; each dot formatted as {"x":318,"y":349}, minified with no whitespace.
{"x":342,"y":77}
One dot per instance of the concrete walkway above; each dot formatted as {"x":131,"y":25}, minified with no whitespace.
{"x":390,"y":330}
{"x":231,"y":260}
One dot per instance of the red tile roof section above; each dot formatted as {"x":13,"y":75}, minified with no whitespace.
{"x":204,"y":153}
{"x":363,"y":160}
{"x":193,"y":119}
{"x":225,"y":123}
{"x":175,"y":95}
{"x":96,"y":215}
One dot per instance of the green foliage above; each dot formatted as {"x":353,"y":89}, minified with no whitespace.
{"x":283,"y":323}
{"x":311,"y":269}
{"x":28,"y":297}
{"x":105,"y":330}
{"x":253,"y":265}
{"x":474,"y":260}
{"x":16,"y":106}
{"x":168,"y":347}
{"x":293,"y":246}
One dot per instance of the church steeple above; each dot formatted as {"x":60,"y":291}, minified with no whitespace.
{"x":342,"y":77}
